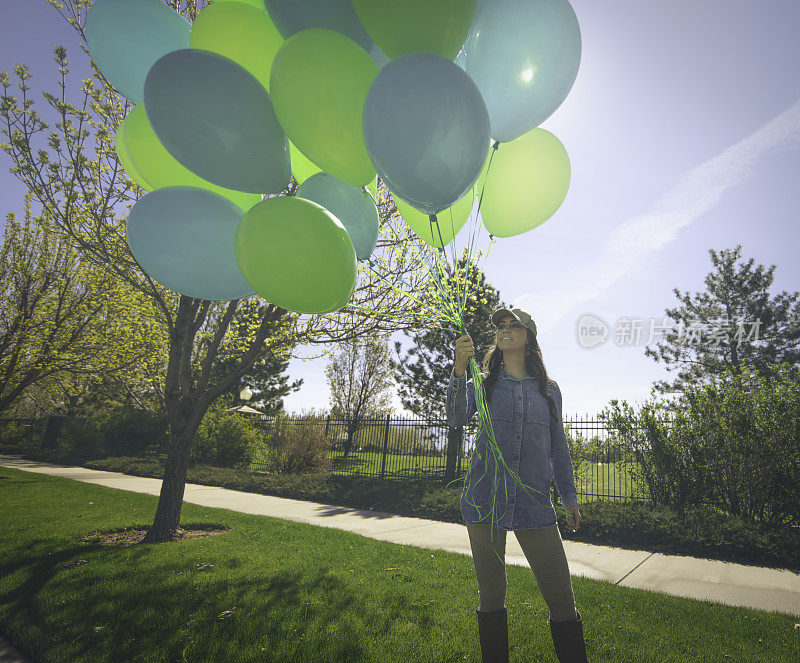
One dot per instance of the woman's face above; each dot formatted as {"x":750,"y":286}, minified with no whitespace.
{"x":511,"y":335}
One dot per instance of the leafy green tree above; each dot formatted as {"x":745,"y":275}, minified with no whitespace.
{"x":359,"y":377}
{"x":733,"y":321}
{"x":73,"y":173}
{"x":61,"y":319}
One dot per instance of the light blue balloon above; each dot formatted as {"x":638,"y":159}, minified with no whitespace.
{"x":126,"y":37}
{"x":426,"y":129}
{"x":524,"y":56}
{"x":214,"y":117}
{"x":291,"y":16}
{"x":183,"y":237}
{"x":353,"y":206}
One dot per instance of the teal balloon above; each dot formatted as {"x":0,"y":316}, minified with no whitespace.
{"x":353,"y":206}
{"x":183,"y":237}
{"x":524,"y":57}
{"x":426,"y":129}
{"x":292,"y":16}
{"x":214,"y":117}
{"x":461,"y":58}
{"x":126,"y":37}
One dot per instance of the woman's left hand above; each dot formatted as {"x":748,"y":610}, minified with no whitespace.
{"x":574,"y":519}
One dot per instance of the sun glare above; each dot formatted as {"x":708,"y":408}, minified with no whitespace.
{"x":527,"y":75}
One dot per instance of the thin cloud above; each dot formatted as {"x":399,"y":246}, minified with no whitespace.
{"x":629,"y":245}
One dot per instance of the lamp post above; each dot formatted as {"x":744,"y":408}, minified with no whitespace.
{"x":246,"y":394}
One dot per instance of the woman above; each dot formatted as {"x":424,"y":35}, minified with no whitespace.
{"x":525,"y":407}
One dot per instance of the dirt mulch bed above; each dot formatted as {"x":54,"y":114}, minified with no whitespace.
{"x":132,"y":535}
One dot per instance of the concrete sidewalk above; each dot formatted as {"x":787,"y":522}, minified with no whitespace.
{"x":718,"y":582}
{"x":10,"y":655}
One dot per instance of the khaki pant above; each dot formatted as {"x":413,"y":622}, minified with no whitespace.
{"x":544,"y":551}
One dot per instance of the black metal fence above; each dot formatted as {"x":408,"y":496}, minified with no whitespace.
{"x":398,"y":448}
{"x":23,"y":432}
{"x":44,"y":432}
{"x":403,"y":448}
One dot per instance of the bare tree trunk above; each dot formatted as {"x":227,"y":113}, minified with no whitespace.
{"x":188,"y":396}
{"x":166,"y":523}
{"x":349,"y":442}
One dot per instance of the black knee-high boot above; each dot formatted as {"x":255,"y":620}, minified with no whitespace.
{"x":568,"y":640}
{"x":493,"y":630}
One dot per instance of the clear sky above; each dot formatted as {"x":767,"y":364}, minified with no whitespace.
{"x":683,"y":130}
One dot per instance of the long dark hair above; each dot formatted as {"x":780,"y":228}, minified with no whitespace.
{"x":534,"y":364}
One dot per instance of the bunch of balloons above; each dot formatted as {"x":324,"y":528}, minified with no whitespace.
{"x":331,"y":92}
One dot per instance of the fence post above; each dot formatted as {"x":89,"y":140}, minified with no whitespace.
{"x":385,"y":445}
{"x":452,"y":465}
{"x":327,"y":423}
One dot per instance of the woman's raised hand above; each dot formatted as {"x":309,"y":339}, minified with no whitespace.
{"x":464,"y":350}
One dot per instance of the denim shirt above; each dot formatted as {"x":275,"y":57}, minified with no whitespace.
{"x":533,"y":444}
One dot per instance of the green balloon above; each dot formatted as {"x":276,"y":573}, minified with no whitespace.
{"x":372,"y":187}
{"x":302,"y":167}
{"x":241,"y":32}
{"x":160,"y":169}
{"x":410,"y":26}
{"x":296,"y":254}
{"x":449,"y":221}
{"x":259,"y":4}
{"x":526,"y":184}
{"x":318,"y":86}
{"x":125,"y":160}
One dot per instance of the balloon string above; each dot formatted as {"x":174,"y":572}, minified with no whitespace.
{"x":482,"y":406}
{"x":452,"y":310}
{"x":463,"y":294}
{"x":444,"y":294}
{"x":495,"y":146}
{"x":433,"y":272}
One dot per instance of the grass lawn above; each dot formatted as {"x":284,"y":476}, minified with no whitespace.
{"x":264,"y":589}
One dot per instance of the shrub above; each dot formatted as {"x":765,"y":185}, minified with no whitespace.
{"x":84,"y":438}
{"x":130,"y":432}
{"x":297,"y":445}
{"x":226,"y":439}
{"x":121,"y":432}
{"x":15,"y":433}
{"x":732,"y":444}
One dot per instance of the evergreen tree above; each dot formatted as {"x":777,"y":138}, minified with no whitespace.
{"x":423,"y":373}
{"x":267,"y":378}
{"x":735,"y":319}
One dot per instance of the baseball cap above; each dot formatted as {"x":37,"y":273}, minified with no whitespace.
{"x":523,"y":317}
